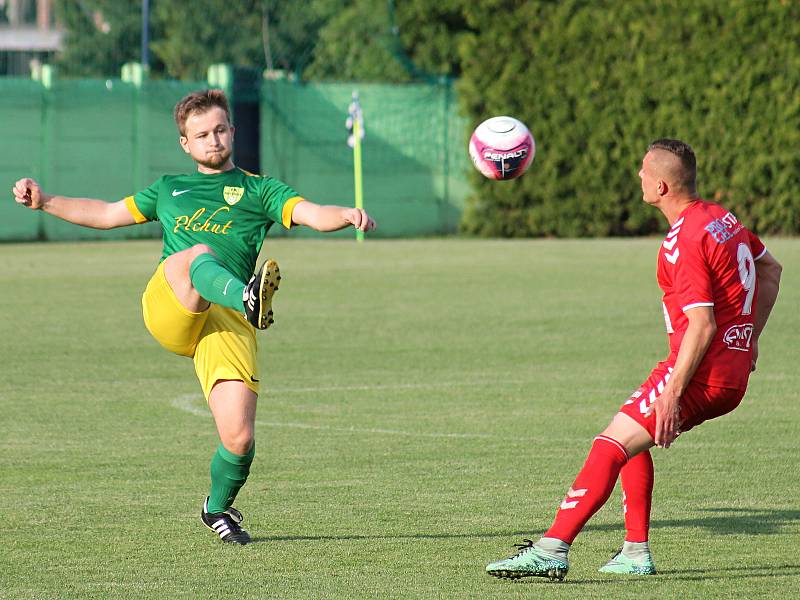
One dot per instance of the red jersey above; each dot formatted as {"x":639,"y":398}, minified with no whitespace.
{"x":708,"y":259}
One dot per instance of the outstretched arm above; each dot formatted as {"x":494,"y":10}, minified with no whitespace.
{"x":768,"y":275}
{"x":331,"y":218}
{"x":81,"y":211}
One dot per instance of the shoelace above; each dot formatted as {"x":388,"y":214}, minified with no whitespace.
{"x":522,"y":547}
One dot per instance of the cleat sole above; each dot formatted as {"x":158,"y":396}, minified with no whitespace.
{"x":551,"y":574}
{"x":268,"y":286}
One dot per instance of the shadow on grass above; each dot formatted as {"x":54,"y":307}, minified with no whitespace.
{"x":410,"y":536}
{"x":720,"y":521}
{"x":724,"y":521}
{"x":717,"y":521}
{"x":711,"y":574}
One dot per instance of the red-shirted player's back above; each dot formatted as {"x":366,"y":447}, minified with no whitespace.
{"x":708,"y":259}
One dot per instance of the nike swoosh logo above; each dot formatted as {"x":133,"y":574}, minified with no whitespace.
{"x":178,"y":193}
{"x":253,"y":379}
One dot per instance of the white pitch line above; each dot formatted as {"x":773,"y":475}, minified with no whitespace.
{"x":187,"y":403}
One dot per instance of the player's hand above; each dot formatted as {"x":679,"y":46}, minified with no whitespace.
{"x":754,"y":359}
{"x":359,"y":219}
{"x":667,"y":409}
{"x":28,"y":193}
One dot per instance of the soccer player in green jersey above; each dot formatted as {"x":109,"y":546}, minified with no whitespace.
{"x":202,"y":301}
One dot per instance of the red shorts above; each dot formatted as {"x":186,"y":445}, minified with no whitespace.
{"x":699,"y":402}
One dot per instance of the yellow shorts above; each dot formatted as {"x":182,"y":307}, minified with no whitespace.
{"x":220,"y":340}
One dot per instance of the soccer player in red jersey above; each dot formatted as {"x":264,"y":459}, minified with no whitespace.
{"x":719,"y":285}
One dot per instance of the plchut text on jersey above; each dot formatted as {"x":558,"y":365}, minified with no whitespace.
{"x":197,"y":223}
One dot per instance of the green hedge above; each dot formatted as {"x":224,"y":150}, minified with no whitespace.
{"x":596,"y":81}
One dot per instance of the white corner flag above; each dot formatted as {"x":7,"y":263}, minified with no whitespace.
{"x":355,"y":121}
{"x":355,"y":129}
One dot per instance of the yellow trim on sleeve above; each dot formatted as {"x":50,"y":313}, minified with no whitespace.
{"x":288,"y":208}
{"x":130,"y":204}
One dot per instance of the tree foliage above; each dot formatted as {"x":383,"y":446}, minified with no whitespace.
{"x":294,"y":29}
{"x":597,"y":81}
{"x":201,"y":32}
{"x":101,"y":35}
{"x":431,"y":33}
{"x":187,"y":37}
{"x":356,"y":44}
{"x":386,"y":41}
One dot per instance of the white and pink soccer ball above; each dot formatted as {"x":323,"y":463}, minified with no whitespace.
{"x":502,"y":148}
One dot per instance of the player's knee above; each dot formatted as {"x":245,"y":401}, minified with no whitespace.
{"x":239,"y":443}
{"x":181,"y":262}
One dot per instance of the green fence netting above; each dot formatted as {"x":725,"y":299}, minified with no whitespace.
{"x":109,"y":138}
{"x":92,"y":138}
{"x":414,"y":152}
{"x":21,"y":109}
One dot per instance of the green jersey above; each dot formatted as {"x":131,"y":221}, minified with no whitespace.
{"x":230,"y":212}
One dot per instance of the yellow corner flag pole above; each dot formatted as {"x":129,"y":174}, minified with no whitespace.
{"x":355,"y":125}
{"x":357,"y":171}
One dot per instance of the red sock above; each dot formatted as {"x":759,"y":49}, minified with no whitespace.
{"x":590,"y":490}
{"x":637,"y":496}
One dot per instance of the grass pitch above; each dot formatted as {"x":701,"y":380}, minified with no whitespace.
{"x":426,"y":405}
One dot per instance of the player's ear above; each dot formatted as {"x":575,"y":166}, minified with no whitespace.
{"x":663,"y":188}
{"x":184,"y":142}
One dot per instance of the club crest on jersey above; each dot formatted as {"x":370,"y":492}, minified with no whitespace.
{"x":232,"y":194}
{"x":738,"y":337}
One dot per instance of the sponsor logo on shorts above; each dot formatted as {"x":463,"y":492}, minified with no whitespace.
{"x":738,"y":337}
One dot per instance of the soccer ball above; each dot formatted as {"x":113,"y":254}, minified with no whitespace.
{"x":502,"y":148}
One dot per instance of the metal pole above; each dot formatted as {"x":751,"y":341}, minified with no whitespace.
{"x":146,"y":33}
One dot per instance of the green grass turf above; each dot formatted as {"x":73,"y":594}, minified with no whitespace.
{"x":427,"y":405}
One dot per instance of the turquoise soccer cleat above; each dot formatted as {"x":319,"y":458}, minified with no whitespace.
{"x":530,"y":561}
{"x":622,"y":565}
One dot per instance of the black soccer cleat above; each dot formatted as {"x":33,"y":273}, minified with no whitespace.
{"x":258,"y":292}
{"x":225,"y":525}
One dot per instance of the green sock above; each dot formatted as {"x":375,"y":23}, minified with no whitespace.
{"x":215,"y":283}
{"x":228,"y":474}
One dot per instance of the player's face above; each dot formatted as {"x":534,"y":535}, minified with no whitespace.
{"x":650,"y":183}
{"x":209,"y":140}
